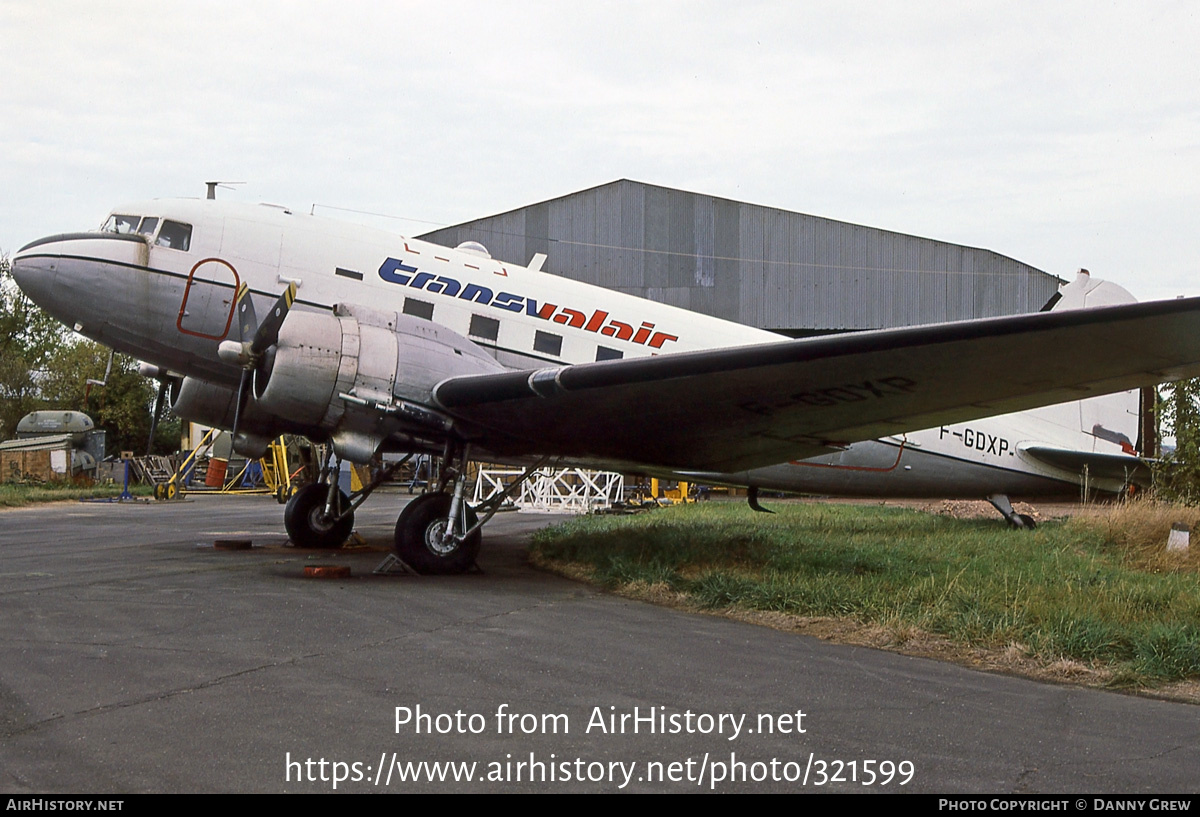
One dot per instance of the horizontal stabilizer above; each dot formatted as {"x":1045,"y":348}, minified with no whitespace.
{"x":1099,"y":465}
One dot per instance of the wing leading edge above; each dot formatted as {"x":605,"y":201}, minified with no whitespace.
{"x":744,"y":407}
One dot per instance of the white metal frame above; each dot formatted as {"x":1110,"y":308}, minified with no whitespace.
{"x":555,"y":490}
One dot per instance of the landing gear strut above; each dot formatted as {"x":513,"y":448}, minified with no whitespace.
{"x":319,"y":515}
{"x":439,"y":533}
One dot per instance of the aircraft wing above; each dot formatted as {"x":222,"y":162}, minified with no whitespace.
{"x":744,"y":407}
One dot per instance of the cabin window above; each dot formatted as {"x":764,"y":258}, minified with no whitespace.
{"x":486,"y":328}
{"x":418,"y":309}
{"x":123,"y":225}
{"x":175,"y":235}
{"x":604,"y":353}
{"x":148,"y":225}
{"x":547,"y":343}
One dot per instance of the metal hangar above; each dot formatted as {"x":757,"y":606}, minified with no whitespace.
{"x":793,"y":273}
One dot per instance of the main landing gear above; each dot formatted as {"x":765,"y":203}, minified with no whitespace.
{"x":428,"y":543}
{"x":436,"y":533}
{"x":313,"y":522}
{"x":319,"y":515}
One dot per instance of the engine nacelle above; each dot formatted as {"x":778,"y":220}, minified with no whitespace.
{"x":211,"y":405}
{"x":359,"y":375}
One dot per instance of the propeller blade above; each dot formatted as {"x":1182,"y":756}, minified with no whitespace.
{"x":268,"y":331}
{"x":246,"y":318}
{"x":256,"y":339}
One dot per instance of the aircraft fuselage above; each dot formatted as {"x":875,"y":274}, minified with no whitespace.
{"x":161,"y":283}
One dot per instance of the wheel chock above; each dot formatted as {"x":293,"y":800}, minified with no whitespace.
{"x":327,"y":571}
{"x":393,"y":565}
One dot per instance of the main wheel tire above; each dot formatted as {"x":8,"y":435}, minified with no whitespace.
{"x":419,"y":537}
{"x":303,"y":518}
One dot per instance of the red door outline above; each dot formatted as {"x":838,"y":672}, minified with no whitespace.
{"x":188,"y":289}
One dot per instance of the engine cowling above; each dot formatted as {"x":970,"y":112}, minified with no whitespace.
{"x":358,"y":375}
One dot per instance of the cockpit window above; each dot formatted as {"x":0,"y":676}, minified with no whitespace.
{"x":128,"y":225}
{"x":175,"y":235}
{"x":121,"y":224}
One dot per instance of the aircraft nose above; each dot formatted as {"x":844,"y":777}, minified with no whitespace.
{"x":55,"y":271}
{"x":35,"y":276}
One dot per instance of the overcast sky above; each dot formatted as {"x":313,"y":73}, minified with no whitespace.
{"x":1061,"y":134}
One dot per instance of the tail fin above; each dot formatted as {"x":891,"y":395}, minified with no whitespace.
{"x":1086,"y":291}
{"x":1110,"y":422}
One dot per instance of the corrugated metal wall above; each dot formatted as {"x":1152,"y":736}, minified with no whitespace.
{"x":761,"y":266}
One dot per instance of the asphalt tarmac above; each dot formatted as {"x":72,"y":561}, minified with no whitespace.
{"x":134,"y":657}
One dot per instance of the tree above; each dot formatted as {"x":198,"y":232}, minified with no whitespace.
{"x":122,"y":406}
{"x":1178,"y":475}
{"x":29,"y":340}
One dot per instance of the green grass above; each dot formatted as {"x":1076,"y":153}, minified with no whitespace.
{"x":1070,"y":589}
{"x":16,"y":495}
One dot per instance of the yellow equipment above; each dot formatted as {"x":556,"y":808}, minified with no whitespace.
{"x":274,"y":466}
{"x":679,"y":494}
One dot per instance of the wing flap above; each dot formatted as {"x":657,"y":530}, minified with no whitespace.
{"x":744,"y":407}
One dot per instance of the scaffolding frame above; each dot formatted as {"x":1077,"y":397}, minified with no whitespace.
{"x":554,"y":490}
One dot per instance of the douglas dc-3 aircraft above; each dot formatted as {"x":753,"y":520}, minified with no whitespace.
{"x":378,"y":343}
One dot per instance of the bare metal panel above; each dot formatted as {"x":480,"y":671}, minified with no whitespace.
{"x":613,"y":260}
{"x":633,"y":220}
{"x":681,"y":266}
{"x":751,"y":268}
{"x":675,"y":296}
{"x":727,"y":249}
{"x":537,"y":230}
{"x":705,"y":269}
{"x":656,"y":237}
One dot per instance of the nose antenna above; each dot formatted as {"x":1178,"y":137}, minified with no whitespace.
{"x":212,"y":187}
